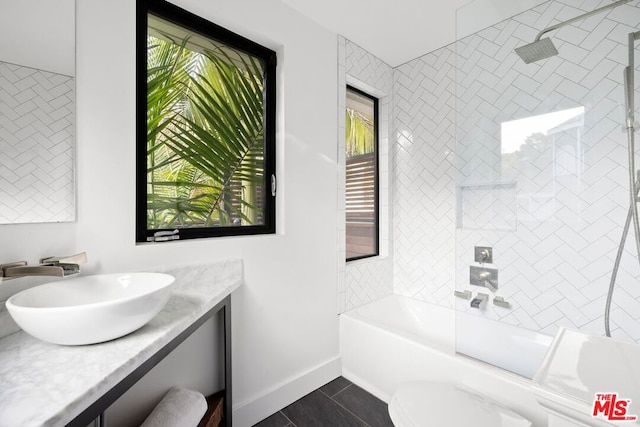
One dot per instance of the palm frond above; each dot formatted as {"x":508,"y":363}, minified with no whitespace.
{"x":205,"y":134}
{"x":359,"y":133}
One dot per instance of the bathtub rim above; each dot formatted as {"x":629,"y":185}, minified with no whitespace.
{"x":448,"y":348}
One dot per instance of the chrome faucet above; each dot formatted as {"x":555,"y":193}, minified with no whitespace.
{"x":49,"y":266}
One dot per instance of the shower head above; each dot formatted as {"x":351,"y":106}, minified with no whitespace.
{"x":539,"y":49}
{"x":544,"y":48}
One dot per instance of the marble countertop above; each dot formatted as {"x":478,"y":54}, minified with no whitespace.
{"x":44,"y":384}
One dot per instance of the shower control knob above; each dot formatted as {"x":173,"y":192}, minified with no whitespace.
{"x":483,"y":254}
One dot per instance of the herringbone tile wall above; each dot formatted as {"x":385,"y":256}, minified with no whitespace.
{"x":36,"y":142}
{"x":553,"y":212}
{"x":363,"y":281}
{"x":570,"y":188}
{"x":424,"y":178}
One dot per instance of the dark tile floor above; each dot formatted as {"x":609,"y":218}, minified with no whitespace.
{"x":339,"y":403}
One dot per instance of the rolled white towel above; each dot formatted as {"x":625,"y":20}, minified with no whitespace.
{"x":178,"y":408}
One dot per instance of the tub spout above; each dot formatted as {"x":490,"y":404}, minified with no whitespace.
{"x":479,"y":301}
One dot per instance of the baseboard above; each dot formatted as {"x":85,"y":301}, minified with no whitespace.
{"x":248,"y":413}
{"x":362,"y":383}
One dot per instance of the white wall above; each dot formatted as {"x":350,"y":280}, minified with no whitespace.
{"x":284,"y":317}
{"x":479,"y":14}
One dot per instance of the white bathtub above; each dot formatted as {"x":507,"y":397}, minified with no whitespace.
{"x":398,"y":339}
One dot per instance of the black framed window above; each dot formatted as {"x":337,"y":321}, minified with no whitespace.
{"x":362,"y":217}
{"x":205,"y":128}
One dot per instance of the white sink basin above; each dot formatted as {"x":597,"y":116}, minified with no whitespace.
{"x":90,"y":309}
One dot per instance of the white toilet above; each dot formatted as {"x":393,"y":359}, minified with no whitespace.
{"x":425,"y":404}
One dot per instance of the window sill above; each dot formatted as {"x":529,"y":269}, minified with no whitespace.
{"x":367,"y":260}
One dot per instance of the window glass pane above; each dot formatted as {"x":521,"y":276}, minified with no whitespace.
{"x":205,"y":142}
{"x":361,"y":175}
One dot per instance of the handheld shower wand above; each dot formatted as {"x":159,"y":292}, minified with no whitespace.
{"x":634,"y":184}
{"x":544,"y":48}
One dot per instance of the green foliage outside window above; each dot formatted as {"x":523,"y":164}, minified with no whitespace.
{"x":205,"y":135}
{"x":360,"y":137}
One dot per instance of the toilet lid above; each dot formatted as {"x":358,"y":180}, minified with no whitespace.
{"x":422,"y":404}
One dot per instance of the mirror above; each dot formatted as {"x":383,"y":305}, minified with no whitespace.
{"x":37,"y":111}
